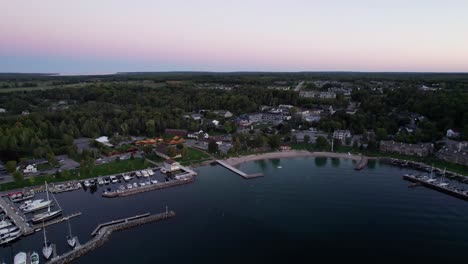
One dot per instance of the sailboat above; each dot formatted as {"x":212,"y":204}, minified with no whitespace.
{"x":48,"y":214}
{"x":442,"y":183}
{"x":47,"y":248}
{"x":431,"y":180}
{"x":20,"y":258}
{"x":70,"y":238}
{"x":34,"y":258}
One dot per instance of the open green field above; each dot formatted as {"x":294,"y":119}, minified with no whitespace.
{"x":194,"y":156}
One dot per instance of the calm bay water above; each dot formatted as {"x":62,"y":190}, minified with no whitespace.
{"x":309,"y":209}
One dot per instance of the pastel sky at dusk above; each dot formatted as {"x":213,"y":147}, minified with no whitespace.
{"x":100,"y":36}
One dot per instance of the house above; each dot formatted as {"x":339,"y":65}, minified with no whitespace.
{"x":215,"y":122}
{"x":223,"y":113}
{"x":25,"y":112}
{"x":176,"y":132}
{"x":104,"y":140}
{"x":341,"y":134}
{"x":285,"y":147}
{"x":421,"y":150}
{"x":31,"y":168}
{"x":452,"y":133}
{"x":196,"y":117}
{"x":455,"y":152}
{"x":2,"y":110}
{"x":272,"y":116}
{"x":312,"y":118}
{"x":198,"y":134}
{"x":255,"y":117}
{"x":171,"y":165}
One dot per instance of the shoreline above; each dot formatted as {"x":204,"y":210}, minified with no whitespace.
{"x":291,"y":154}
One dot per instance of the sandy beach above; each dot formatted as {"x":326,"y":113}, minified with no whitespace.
{"x":290,"y":154}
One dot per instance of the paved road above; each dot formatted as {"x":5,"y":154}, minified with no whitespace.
{"x":299,"y":86}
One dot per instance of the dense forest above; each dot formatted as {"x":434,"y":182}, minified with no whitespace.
{"x":108,"y":107}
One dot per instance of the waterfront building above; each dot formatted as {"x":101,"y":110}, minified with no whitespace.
{"x":171,"y":165}
{"x":421,"y":150}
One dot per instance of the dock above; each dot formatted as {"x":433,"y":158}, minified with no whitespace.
{"x":104,"y":233}
{"x":455,"y":192}
{"x":242,"y":174}
{"x":362,"y":163}
{"x":18,"y":218}
{"x":56,"y":221}
{"x":147,"y":188}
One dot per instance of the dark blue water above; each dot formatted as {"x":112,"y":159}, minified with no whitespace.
{"x":310,"y":209}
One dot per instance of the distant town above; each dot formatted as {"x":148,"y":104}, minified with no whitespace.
{"x":67,"y":127}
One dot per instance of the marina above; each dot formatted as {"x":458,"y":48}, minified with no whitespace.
{"x":241,"y":173}
{"x":437,"y":185}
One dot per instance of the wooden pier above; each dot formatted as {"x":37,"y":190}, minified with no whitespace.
{"x":56,"y":221}
{"x":104,"y":234}
{"x":18,"y":218}
{"x":362,"y":163}
{"x":242,"y":174}
{"x":447,"y":190}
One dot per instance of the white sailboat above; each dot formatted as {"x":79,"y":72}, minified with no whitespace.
{"x":431,"y":180}
{"x":47,"y":248}
{"x":20,"y":258}
{"x":70,"y":238}
{"x":442,"y":183}
{"x":47,"y":214}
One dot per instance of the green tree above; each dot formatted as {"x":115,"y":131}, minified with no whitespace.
{"x":381,"y":133}
{"x":10,"y":166}
{"x":274,"y":141}
{"x":18,"y":176}
{"x":212,"y":146}
{"x":322,"y":142}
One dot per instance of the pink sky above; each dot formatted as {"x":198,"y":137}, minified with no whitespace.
{"x":257,"y":35}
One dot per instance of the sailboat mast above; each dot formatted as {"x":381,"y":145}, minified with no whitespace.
{"x":45,"y":238}
{"x":69,"y":227}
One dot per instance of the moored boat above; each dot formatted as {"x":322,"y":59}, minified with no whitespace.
{"x":34,"y":258}
{"x":20,"y":258}
{"x":36,"y":206}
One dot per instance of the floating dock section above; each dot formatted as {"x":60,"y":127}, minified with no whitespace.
{"x":104,"y":232}
{"x":242,"y":174}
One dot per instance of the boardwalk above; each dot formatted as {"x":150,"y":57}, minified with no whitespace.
{"x":242,"y":174}
{"x":56,"y":221}
{"x":16,"y":216}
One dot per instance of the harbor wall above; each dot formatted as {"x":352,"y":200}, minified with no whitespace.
{"x":104,"y":235}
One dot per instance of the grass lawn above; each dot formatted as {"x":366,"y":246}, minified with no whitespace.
{"x":99,"y":170}
{"x":118,"y":167}
{"x":194,"y":156}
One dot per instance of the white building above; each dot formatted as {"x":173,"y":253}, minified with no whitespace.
{"x":452,"y":133}
{"x":341,"y":134}
{"x":30,"y":169}
{"x":255,"y":117}
{"x":104,"y":140}
{"x":171,"y":165}
{"x":2,"y":110}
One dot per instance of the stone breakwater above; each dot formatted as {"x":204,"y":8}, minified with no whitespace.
{"x":104,"y":235}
